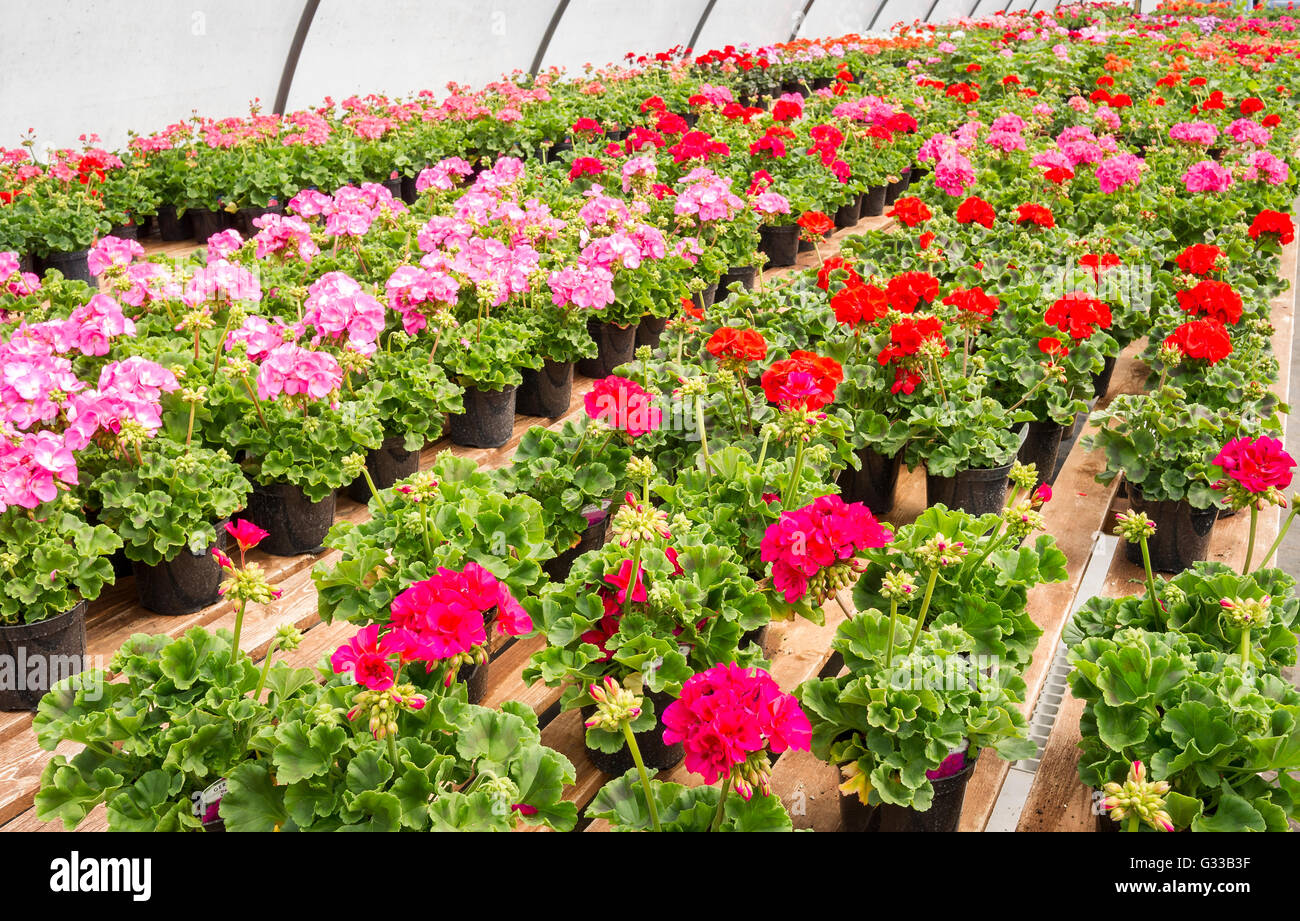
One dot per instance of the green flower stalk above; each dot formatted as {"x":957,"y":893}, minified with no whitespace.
{"x":896,"y":586}
{"x":1136,"y":527}
{"x":616,"y":708}
{"x":1246,"y":614}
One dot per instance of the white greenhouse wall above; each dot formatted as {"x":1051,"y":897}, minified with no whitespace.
{"x":69,"y":67}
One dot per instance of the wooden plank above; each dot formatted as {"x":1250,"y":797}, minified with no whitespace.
{"x":1058,"y":800}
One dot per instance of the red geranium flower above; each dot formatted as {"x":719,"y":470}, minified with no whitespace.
{"x":804,"y":381}
{"x":1035,"y":214}
{"x":739,"y":345}
{"x":859,"y":303}
{"x":585,"y":166}
{"x":1273,"y":222}
{"x":586,"y":125}
{"x":1199,"y":258}
{"x":973,"y":301}
{"x":908,"y":289}
{"x":624,"y":405}
{"x":1215,"y":299}
{"x":910,"y":210}
{"x":1206,"y":339}
{"x":830,"y":264}
{"x":908,"y":335}
{"x":815,"y":225}
{"x":1050,"y":345}
{"x":976,"y":210}
{"x":1078,"y":314}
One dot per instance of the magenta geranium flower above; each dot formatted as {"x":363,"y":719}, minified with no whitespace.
{"x":1256,"y":464}
{"x":726,"y":713}
{"x":624,"y":405}
{"x":806,"y":541}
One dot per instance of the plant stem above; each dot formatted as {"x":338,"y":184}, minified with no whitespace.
{"x":1151,"y":577}
{"x":893,"y":622}
{"x":424,"y":528}
{"x":640,"y":769}
{"x":1250,"y":541}
{"x":762,"y":453}
{"x":1132,"y":822}
{"x":239,"y":626}
{"x":795,"y":474}
{"x":1245,"y":647}
{"x":704,"y":433}
{"x":925,"y":607}
{"x":1277,"y":542}
{"x":266,"y":668}
{"x":383,"y":506}
{"x":722,"y":804}
{"x":632,"y":579}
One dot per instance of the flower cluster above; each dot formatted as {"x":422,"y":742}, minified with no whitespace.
{"x":805,"y":381}
{"x":727,"y":715}
{"x":810,"y":548}
{"x":624,"y":405}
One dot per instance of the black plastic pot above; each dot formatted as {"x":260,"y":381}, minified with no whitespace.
{"x":394,"y":187}
{"x":650,"y":330}
{"x":488,"y":419}
{"x":125,"y":231}
{"x":592,"y":538}
{"x":1042,"y":446}
{"x":704,"y":299}
{"x":392,"y":462}
{"x":944,"y":813}
{"x":475,"y":679}
{"x":874,"y":484}
{"x":1182,"y":532}
{"x":1101,"y":382}
{"x":895,"y":189}
{"x":55,"y":645}
{"x":206,"y":223}
{"x":615,"y":344}
{"x":847,"y":215}
{"x":918,"y":173}
{"x":743,"y":274}
{"x":409,"y":195}
{"x":294,"y":524}
{"x":547,"y":391}
{"x":242,"y":220}
{"x":171,"y":228}
{"x":650,"y":743}
{"x":873,"y":202}
{"x":979,"y":491}
{"x":73,"y":265}
{"x":780,"y":243}
{"x":184,"y":584}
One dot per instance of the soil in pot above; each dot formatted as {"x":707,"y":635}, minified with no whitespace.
{"x":1182,"y":532}
{"x":980,"y":491}
{"x":1101,"y":381}
{"x":488,"y":419}
{"x":650,"y":330}
{"x":743,"y":274}
{"x":592,"y":538}
{"x":294,"y":524}
{"x":654,"y":752}
{"x":943,"y":815}
{"x":875,"y":483}
{"x":780,"y":243}
{"x":872,"y":202}
{"x":392,"y":462}
{"x":42,"y":654}
{"x":184,"y":584}
{"x":847,"y":215}
{"x":171,"y":228}
{"x":546,"y":391}
{"x":1041,"y":447}
{"x":73,"y":265}
{"x":615,"y":344}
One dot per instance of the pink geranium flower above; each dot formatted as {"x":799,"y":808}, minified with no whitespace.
{"x":1256,"y":464}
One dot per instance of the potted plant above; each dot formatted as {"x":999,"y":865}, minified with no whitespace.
{"x":170,"y":507}
{"x":410,"y":395}
{"x":486,"y":360}
{"x":54,"y":562}
{"x":300,"y":443}
{"x":730,"y":720}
